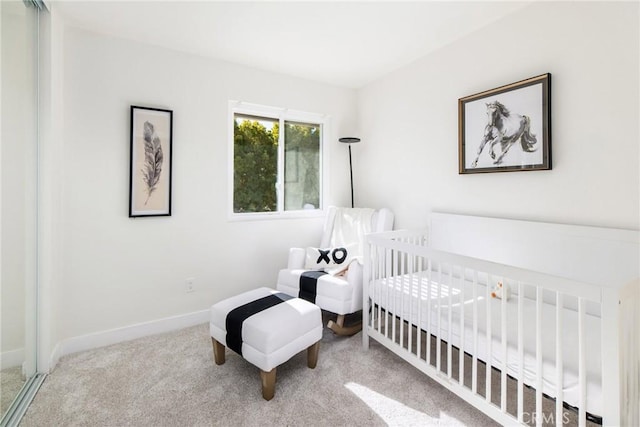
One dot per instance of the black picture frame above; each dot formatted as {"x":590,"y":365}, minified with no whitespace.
{"x":506,"y":129}
{"x":151,"y":161}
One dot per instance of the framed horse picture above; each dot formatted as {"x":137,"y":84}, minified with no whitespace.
{"x":507,"y":128}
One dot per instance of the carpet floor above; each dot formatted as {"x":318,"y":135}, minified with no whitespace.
{"x":171,"y":380}
{"x":11,"y":382}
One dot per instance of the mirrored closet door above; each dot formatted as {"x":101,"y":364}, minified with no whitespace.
{"x":18,"y":195}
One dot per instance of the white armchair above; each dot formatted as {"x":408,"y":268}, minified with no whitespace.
{"x":340,"y":294}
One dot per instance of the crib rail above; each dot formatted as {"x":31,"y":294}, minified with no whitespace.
{"x":435,"y":309}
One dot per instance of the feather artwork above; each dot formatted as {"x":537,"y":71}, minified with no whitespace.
{"x":152,"y":159}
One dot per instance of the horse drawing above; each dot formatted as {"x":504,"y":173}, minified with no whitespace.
{"x":505,"y":128}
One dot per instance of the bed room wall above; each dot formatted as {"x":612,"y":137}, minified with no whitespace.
{"x":115,"y":271}
{"x":111,"y":271}
{"x":408,"y":158}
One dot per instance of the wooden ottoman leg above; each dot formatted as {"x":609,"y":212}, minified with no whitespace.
{"x":218,"y":352}
{"x":268,"y":383}
{"x":312,"y":355}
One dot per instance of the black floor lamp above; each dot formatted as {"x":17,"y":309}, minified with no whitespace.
{"x":350,"y":140}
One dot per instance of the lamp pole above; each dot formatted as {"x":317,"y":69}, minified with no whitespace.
{"x":350,"y":140}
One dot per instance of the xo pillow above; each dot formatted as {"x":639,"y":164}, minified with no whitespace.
{"x":328,"y":259}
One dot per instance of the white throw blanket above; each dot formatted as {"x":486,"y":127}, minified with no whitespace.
{"x":349,"y":228}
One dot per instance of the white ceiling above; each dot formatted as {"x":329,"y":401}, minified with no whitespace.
{"x":342,"y":43}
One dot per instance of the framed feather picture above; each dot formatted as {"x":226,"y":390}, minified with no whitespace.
{"x":151,"y":163}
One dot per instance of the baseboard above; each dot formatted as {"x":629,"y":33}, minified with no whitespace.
{"x":127,"y":333}
{"x":11,"y":359}
{"x":56,"y":354}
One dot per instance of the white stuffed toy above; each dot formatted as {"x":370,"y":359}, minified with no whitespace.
{"x":501,"y":292}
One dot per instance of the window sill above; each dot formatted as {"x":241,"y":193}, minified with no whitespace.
{"x":262,"y":216}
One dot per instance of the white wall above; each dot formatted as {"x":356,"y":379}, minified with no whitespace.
{"x":409,"y":121}
{"x":117,"y":271}
{"x":105,"y":270}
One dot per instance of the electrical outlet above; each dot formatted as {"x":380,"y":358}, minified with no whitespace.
{"x":189,"y":285}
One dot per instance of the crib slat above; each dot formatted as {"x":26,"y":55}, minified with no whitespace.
{"x":439,"y":330}
{"x":539,"y":295}
{"x":412,"y":314}
{"x":449,"y":325}
{"x":582,"y":364}
{"x":403,"y":278}
{"x":503,"y":315}
{"x":380,"y":277}
{"x":489,"y":337}
{"x":382,"y":253}
{"x":371,"y":294}
{"x":394,"y":274}
{"x":428,"y":343}
{"x":388,"y":274}
{"x":398,"y":311}
{"x":419,"y":325}
{"x":462,"y":337}
{"x":409,"y":282}
{"x":392,"y":292}
{"x":395,"y":299}
{"x":383,"y":275}
{"x":520,"y":353}
{"x":368,"y":309}
{"x":474,"y":366}
{"x":559,"y":359}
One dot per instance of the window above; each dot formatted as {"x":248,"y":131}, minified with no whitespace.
{"x":277,"y":160}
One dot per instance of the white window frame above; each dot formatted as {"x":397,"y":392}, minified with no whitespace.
{"x":282,"y":115}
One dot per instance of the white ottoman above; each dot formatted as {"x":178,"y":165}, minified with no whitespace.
{"x":267,"y":328}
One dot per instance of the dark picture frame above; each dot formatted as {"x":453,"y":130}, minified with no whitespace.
{"x":151,"y":162}
{"x":506,"y":129}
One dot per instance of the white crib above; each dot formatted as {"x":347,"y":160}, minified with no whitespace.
{"x":568,"y":337}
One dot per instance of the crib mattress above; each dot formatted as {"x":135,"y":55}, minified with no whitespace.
{"x":415,"y":298}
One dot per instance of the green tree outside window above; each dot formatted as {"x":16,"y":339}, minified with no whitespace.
{"x":255,"y":163}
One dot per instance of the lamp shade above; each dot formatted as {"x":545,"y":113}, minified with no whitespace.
{"x":349,"y":140}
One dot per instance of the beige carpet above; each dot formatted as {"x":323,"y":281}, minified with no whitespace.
{"x":11,"y":382}
{"x":171,"y":380}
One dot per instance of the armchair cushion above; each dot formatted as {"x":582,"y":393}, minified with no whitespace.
{"x":333,"y":293}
